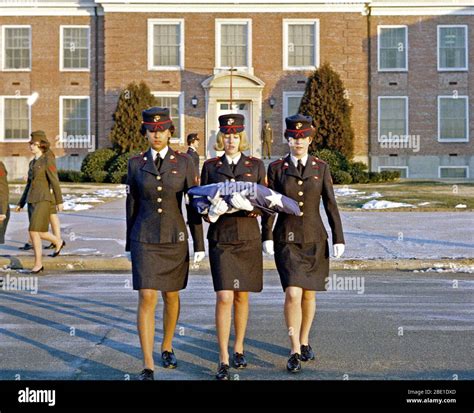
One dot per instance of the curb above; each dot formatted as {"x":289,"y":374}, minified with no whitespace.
{"x":74,"y":263}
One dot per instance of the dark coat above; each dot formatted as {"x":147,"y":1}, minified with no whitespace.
{"x":316,"y":183}
{"x":4,"y":201}
{"x":154,"y":200}
{"x":238,"y":226}
{"x":42,"y":176}
{"x":195,"y":157}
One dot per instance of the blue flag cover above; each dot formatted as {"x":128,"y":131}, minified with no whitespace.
{"x":259,"y":196}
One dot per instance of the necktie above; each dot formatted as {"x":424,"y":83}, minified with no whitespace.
{"x":232,"y":167}
{"x":300,"y":167}
{"x":158,"y":162}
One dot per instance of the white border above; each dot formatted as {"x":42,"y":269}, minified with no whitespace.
{"x":285,"y":96}
{"x":180,"y":95}
{"x":61,"y":131}
{"x":466,"y":49}
{"x":395,"y":26}
{"x":444,"y":140}
{"x":151,"y":23}
{"x":2,"y":119}
{"x":217,"y":62}
{"x":16,"y":26}
{"x":466,"y":167}
{"x":386,"y":167}
{"x":288,"y":22}
{"x":61,"y":49}
{"x":407,"y":128}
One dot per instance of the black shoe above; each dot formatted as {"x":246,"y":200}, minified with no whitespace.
{"x":223,"y":372}
{"x":50,"y":247}
{"x":307,"y":353}
{"x":31,"y":271}
{"x":56,"y":253}
{"x":26,"y":247}
{"x":146,"y":375}
{"x":169,"y":360}
{"x":239,"y":361}
{"x":294,"y":363}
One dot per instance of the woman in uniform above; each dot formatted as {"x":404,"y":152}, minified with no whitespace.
{"x":156,"y":233}
{"x":301,"y":248}
{"x":4,"y":205}
{"x":235,"y":250}
{"x":42,"y":176}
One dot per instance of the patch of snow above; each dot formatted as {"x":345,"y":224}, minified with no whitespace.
{"x":374,"y":204}
{"x":452,"y":268}
{"x":461,"y":206}
{"x":72,"y":206}
{"x":372,"y":195}
{"x":346,"y":191}
{"x":111,"y":193}
{"x":424,"y":203}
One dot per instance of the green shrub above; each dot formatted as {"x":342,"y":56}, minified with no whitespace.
{"x":358,"y":172}
{"x":95,"y":166}
{"x":336,"y":160}
{"x":390,"y":175}
{"x":70,"y":176}
{"x":341,"y":177}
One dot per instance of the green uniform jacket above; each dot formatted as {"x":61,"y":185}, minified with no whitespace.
{"x":42,"y":175}
{"x":3,"y":190}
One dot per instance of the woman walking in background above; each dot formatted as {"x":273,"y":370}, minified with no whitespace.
{"x":4,"y":202}
{"x":42,"y":177}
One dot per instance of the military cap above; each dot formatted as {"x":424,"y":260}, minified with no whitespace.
{"x":231,"y":123}
{"x":38,"y":136}
{"x":156,"y":119}
{"x":298,"y":126}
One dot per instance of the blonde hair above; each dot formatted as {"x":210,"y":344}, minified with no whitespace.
{"x":243,"y":144}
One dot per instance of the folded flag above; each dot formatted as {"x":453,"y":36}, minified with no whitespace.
{"x":259,"y":196}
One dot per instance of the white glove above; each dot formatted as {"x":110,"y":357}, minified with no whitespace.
{"x":239,"y":201}
{"x":268,"y":247}
{"x":338,"y":250}
{"x":217,"y":209}
{"x":198,"y":256}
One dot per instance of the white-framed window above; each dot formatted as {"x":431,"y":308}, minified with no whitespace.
{"x":453,"y":172}
{"x":165,"y":44}
{"x":453,"y":118}
{"x":174,"y":101}
{"x":74,"y":119}
{"x":402,"y":169}
{"x":392,"y":48}
{"x":234,"y":44}
{"x":15,"y":119}
{"x":291,"y":104}
{"x":16,"y":48}
{"x":74,"y":49}
{"x":452,"y":47}
{"x":300,"y":44}
{"x":392,"y":118}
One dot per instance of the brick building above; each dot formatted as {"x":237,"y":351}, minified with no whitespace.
{"x":406,"y":67}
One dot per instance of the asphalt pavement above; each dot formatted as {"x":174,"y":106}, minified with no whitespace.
{"x":386,"y":325}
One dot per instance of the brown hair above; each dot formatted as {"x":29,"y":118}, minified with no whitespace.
{"x":243,"y":144}
{"x":44,"y":145}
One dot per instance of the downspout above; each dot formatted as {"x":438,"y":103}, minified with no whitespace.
{"x":96,"y":77}
{"x":369,"y":86}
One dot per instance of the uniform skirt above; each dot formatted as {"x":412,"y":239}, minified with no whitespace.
{"x":236,"y":265}
{"x":38,"y":213}
{"x":303,"y":265}
{"x":3,"y":227}
{"x":162,"y":267}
